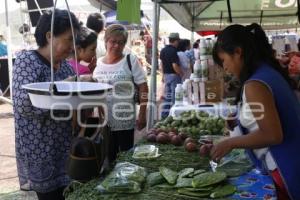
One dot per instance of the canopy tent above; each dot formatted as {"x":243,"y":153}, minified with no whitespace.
{"x":202,"y":15}
{"x":214,"y":15}
{"x":104,"y":4}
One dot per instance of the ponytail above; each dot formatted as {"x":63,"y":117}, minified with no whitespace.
{"x":266,"y":52}
{"x":255,"y":50}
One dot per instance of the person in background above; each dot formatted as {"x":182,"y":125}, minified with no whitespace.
{"x":184,"y":60}
{"x":148,"y":46}
{"x":172,"y":72}
{"x":114,"y":69}
{"x":196,"y":51}
{"x":269,"y":115}
{"x":3,"y":46}
{"x":86,"y":44}
{"x":42,"y":142}
{"x":190,"y":53}
{"x":96,"y":22}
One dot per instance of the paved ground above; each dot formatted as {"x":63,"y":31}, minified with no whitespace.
{"x":9,"y":186}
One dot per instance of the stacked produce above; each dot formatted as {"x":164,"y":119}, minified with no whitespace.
{"x":193,"y":123}
{"x":186,"y":129}
{"x":192,"y":183}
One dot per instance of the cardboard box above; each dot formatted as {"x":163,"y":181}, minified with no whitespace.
{"x":196,"y":92}
{"x":214,"y":91}
{"x":215,"y":72}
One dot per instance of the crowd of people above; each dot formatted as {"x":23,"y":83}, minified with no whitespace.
{"x":177,"y":60}
{"x":43,"y":143}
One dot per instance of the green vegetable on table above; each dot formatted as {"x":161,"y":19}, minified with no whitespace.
{"x":169,"y":175}
{"x":208,"y":178}
{"x":199,"y":171}
{"x":209,"y":188}
{"x":155,"y":178}
{"x":223,"y":191}
{"x":185,"y":172}
{"x":193,"y":194}
{"x":184,"y":182}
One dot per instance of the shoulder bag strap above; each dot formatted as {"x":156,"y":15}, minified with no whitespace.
{"x":129,"y":65}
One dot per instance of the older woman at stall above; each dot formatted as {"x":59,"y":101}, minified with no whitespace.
{"x":43,"y":141}
{"x":122,"y":71}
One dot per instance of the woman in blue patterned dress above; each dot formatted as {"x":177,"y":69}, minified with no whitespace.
{"x":42,"y":143}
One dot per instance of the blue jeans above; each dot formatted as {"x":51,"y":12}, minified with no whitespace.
{"x":171,"y":80}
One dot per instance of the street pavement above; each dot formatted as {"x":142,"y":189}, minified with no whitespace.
{"x":9,"y":183}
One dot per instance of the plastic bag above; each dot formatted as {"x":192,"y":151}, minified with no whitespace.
{"x":125,"y":178}
{"x":235,"y":164}
{"x":145,"y":152}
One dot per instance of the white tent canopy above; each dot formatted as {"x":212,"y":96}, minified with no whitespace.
{"x":202,"y":15}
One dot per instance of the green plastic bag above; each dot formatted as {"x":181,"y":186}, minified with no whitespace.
{"x":125,"y":178}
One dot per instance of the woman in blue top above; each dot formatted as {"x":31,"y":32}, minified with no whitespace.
{"x":269,"y":115}
{"x":43,"y":141}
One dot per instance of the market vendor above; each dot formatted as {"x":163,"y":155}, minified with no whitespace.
{"x":114,"y":68}
{"x":269,"y":115}
{"x":43,"y":141}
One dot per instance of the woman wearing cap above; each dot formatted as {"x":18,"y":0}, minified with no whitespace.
{"x":43,"y":141}
{"x":122,"y":71}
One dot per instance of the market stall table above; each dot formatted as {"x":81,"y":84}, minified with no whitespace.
{"x":251,"y":185}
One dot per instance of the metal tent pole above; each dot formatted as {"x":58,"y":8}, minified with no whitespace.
{"x":298,"y":10}
{"x":193,"y":23}
{"x":152,"y":108}
{"x":9,"y":53}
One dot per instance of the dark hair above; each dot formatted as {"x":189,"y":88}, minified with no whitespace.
{"x":24,"y":28}
{"x":95,"y":21}
{"x":187,"y":43}
{"x":171,"y":40}
{"x":85,"y":37}
{"x":255,"y":50}
{"x":195,"y":45}
{"x":183,"y":45}
{"x":61,"y":24}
